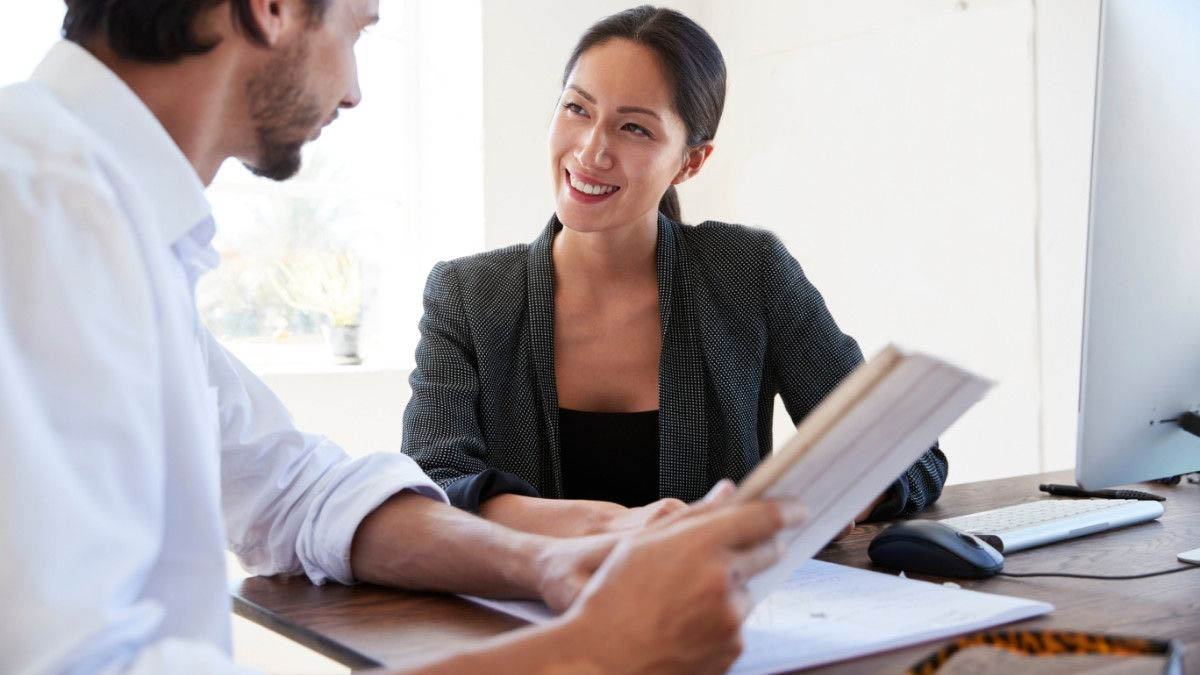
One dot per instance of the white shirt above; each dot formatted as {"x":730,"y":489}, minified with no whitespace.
{"x":134,"y":447}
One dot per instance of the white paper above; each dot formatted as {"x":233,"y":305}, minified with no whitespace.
{"x":826,"y":612}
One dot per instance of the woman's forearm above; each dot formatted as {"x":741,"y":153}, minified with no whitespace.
{"x":554,"y":517}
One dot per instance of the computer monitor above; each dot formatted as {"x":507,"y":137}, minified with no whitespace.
{"x":1141,"y":334}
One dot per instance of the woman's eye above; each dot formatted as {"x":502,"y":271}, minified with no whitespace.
{"x":637,"y":129}
{"x":573,"y":107}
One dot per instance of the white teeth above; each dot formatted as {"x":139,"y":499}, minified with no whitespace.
{"x":588,"y":188}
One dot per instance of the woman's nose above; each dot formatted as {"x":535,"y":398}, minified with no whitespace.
{"x":593,"y":152}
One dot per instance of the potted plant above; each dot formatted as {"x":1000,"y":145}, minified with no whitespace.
{"x":328,"y":283}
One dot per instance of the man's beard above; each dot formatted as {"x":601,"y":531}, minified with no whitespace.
{"x":282,"y":113}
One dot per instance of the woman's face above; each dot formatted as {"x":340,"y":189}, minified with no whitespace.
{"x":616,"y":141}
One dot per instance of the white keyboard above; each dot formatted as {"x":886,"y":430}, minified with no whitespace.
{"x":1047,"y":520}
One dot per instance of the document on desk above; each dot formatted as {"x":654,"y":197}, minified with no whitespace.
{"x":826,"y":613}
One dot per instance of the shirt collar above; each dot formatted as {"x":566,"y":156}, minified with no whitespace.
{"x":107,"y":106}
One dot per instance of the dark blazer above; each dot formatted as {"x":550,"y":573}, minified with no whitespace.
{"x":740,"y":323}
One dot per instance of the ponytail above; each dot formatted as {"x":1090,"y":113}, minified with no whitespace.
{"x":669,"y":205}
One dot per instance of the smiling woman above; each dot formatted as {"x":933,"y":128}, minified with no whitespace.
{"x":689,"y":70}
{"x":624,"y":362}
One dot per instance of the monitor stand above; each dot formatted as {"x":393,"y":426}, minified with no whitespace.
{"x":1190,"y":422}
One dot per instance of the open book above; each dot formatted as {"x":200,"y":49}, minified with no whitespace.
{"x":855,"y":444}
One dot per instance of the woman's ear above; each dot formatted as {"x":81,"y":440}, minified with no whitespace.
{"x":693,"y":159}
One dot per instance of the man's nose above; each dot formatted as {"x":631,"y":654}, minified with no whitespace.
{"x":352,"y":97}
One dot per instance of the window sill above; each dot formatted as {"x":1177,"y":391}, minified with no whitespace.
{"x":267,"y":359}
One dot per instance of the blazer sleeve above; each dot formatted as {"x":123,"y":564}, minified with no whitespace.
{"x":809,"y":355}
{"x":441,"y":422}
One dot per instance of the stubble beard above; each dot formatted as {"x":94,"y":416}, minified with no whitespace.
{"x":282,"y":113}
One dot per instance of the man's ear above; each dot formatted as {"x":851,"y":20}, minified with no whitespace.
{"x":693,"y":159}
{"x":276,"y":18}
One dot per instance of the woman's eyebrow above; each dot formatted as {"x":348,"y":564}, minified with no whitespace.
{"x":635,"y":109}
{"x":589,"y":97}
{"x":623,"y":109}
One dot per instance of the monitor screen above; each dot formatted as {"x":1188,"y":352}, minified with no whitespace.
{"x":1141,"y":334}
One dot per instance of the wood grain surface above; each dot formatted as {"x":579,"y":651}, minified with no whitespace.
{"x":363,"y":626}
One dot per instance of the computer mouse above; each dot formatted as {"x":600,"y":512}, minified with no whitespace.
{"x":929,"y":547}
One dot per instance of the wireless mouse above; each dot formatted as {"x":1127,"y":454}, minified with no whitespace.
{"x":929,"y":547}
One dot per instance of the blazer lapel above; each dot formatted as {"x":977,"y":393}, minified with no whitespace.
{"x":682,"y":420}
{"x":540,"y":289}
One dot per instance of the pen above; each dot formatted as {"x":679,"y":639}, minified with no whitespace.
{"x":1074,"y":491}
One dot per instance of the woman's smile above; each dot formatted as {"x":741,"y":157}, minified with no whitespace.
{"x":585,"y":189}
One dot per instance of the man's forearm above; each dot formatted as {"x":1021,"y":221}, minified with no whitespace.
{"x":414,"y":542}
{"x":560,"y":647}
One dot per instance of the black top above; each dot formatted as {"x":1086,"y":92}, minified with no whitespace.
{"x":609,"y":456}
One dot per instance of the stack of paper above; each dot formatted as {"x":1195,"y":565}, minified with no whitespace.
{"x":826,"y":613}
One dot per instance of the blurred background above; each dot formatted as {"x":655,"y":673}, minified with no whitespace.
{"x":927,"y":161}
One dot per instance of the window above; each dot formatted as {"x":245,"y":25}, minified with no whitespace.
{"x":302,"y":255}
{"x":357,"y":230}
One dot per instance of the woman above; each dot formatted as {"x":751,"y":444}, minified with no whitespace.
{"x":623,"y":363}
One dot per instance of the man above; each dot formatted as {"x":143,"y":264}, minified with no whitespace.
{"x":136,"y":447}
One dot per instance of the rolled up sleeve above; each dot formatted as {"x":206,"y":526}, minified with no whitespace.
{"x":292,"y":501}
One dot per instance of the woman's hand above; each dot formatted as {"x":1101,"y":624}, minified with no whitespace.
{"x":638,"y":517}
{"x":866,"y":513}
{"x":574,"y":517}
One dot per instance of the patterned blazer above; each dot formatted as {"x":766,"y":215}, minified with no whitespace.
{"x":740,"y":323}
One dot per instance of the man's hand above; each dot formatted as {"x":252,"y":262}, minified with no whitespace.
{"x":673,"y":595}
{"x":566,"y":565}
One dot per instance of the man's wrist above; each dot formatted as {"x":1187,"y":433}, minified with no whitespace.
{"x":575,"y":645}
{"x":530,"y":566}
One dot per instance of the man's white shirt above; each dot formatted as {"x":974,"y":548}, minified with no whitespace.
{"x":136,"y":449}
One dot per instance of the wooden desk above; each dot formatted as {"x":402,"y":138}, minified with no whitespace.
{"x":365,"y":626}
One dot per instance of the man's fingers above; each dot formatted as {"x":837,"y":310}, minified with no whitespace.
{"x":746,"y":564}
{"x":748,"y":524}
{"x":740,"y":599}
{"x":720,"y":493}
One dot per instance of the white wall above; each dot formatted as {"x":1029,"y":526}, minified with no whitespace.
{"x":891,"y":147}
{"x":360,"y":408}
{"x":926,"y":161}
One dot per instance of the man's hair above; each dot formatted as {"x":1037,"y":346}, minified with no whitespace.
{"x":158,"y":30}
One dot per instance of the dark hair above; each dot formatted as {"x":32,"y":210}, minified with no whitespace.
{"x":693,"y":63}
{"x":158,"y":30}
